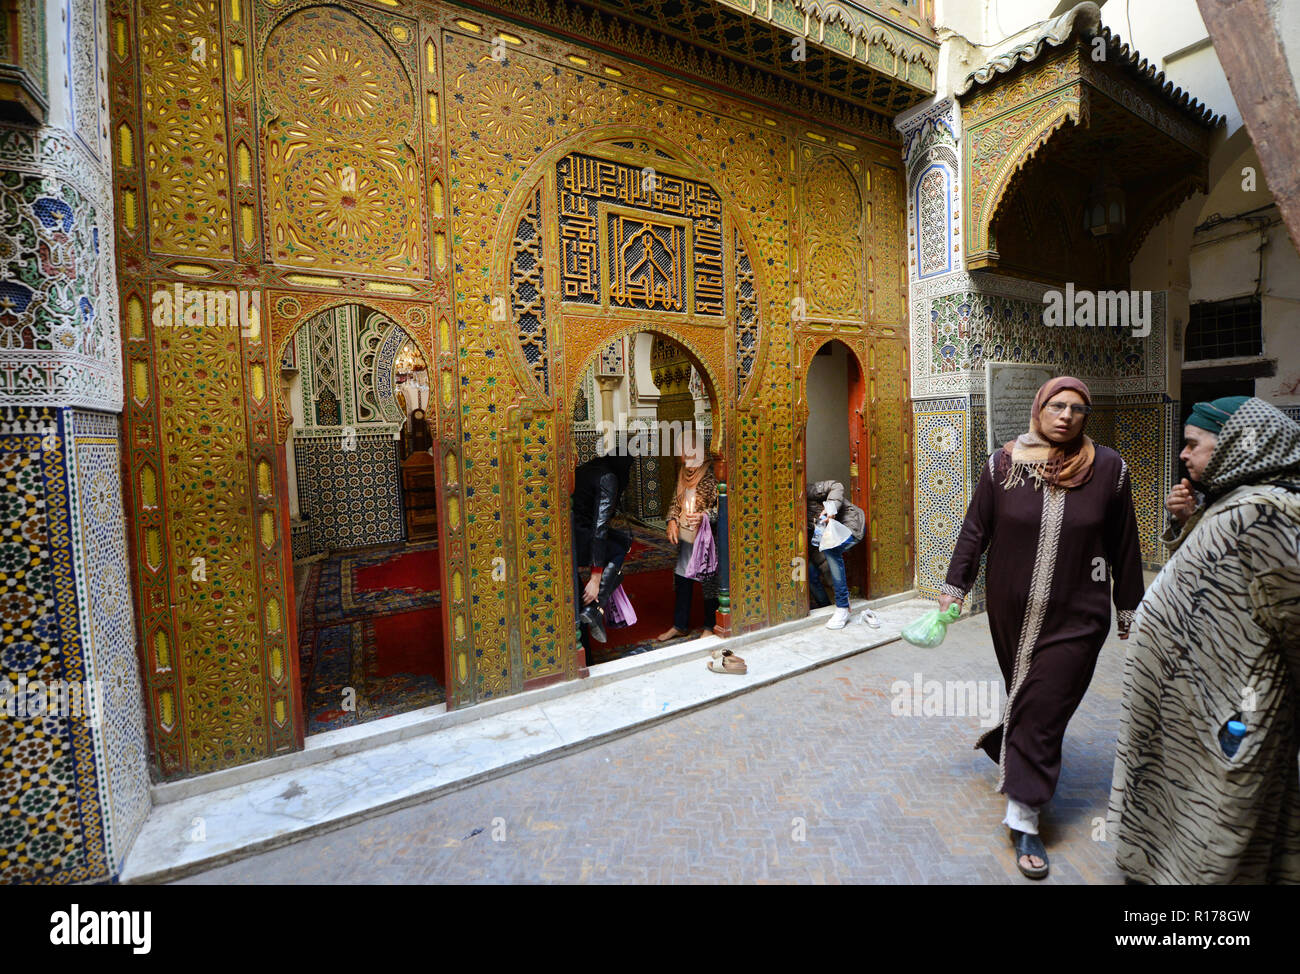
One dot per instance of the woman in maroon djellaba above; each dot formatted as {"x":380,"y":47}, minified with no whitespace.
{"x":1054,"y":511}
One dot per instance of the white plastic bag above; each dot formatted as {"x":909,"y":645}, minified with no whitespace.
{"x":834,"y":534}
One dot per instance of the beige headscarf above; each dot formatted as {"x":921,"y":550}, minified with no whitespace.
{"x":1055,"y":464}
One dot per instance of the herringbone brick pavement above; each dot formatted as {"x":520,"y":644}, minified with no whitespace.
{"x":816,"y":779}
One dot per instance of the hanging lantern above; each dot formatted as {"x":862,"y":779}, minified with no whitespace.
{"x":1104,"y":212}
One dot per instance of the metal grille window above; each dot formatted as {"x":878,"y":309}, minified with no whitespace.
{"x":1225,"y":329}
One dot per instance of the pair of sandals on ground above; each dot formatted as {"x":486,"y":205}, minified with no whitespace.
{"x":725,"y":661}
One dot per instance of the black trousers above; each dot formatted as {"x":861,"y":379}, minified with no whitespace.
{"x":684,"y":588}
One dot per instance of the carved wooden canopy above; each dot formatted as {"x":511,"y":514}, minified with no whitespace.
{"x":1044,"y":123}
{"x":813,"y":56}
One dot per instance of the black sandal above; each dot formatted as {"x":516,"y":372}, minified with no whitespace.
{"x":1027,"y":844}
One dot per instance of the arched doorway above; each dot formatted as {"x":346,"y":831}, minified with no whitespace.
{"x":834,"y":451}
{"x":640,"y":396}
{"x":361,"y":496}
{"x":612,"y":232}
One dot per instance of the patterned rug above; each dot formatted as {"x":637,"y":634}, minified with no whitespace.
{"x":358,"y":675}
{"x":333,"y":593}
{"x":370,"y":635}
{"x":651,"y":550}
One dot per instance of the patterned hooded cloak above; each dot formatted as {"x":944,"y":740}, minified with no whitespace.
{"x":1218,"y":638}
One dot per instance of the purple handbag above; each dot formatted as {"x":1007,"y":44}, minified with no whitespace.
{"x":704,"y":554}
{"x":618,"y":611}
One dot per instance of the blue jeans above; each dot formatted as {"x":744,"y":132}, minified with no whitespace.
{"x":839,"y":577}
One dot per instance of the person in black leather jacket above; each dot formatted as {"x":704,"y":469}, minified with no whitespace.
{"x":598,"y":486}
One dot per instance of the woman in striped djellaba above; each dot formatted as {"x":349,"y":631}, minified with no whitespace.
{"x":1216,"y":643}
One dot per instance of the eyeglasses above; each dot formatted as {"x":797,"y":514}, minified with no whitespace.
{"x":1076,"y":409}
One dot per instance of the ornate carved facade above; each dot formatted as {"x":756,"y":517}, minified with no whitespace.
{"x":515,"y":203}
{"x":219,"y":188}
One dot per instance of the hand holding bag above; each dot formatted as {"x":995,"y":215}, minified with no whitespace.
{"x":704,"y":553}
{"x":619,"y":612}
{"x":834,"y":534}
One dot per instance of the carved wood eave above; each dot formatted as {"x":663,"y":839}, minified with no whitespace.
{"x":23,"y":62}
{"x":1062,"y":116}
{"x":20,"y":100}
{"x":854,"y":59}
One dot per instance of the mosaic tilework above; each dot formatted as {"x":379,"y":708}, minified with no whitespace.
{"x":351,"y":498}
{"x":1145,"y":436}
{"x":934,"y":213}
{"x":942,"y":490}
{"x":300,"y":538}
{"x":109,"y":628}
{"x":51,"y":818}
{"x":961,"y":320}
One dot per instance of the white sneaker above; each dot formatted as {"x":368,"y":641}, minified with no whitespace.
{"x":839,"y":619}
{"x":869,"y":618}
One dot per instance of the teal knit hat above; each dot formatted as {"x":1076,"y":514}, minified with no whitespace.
{"x":1212,"y":415}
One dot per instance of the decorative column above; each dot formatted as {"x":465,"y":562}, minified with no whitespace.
{"x":76,"y":789}
{"x":722,"y":625}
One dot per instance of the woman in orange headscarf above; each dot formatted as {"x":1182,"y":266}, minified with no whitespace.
{"x":694,"y":501}
{"x":1054,"y":510}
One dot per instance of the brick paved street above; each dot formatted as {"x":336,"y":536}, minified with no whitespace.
{"x":718,"y":796}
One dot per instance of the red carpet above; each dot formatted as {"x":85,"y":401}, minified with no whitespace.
{"x":652,"y":597}
{"x":411,"y":570}
{"x":409,"y":642}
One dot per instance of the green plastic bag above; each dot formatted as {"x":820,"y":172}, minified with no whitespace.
{"x":929,"y":630}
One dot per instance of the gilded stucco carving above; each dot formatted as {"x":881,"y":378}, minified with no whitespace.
{"x":412,"y":162}
{"x":340,"y":144}
{"x":182,"y":107}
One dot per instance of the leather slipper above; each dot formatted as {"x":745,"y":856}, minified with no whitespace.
{"x":729,"y":663}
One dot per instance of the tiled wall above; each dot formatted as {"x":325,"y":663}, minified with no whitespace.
{"x":349,"y":498}
{"x":74,"y":786}
{"x":74,"y":790}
